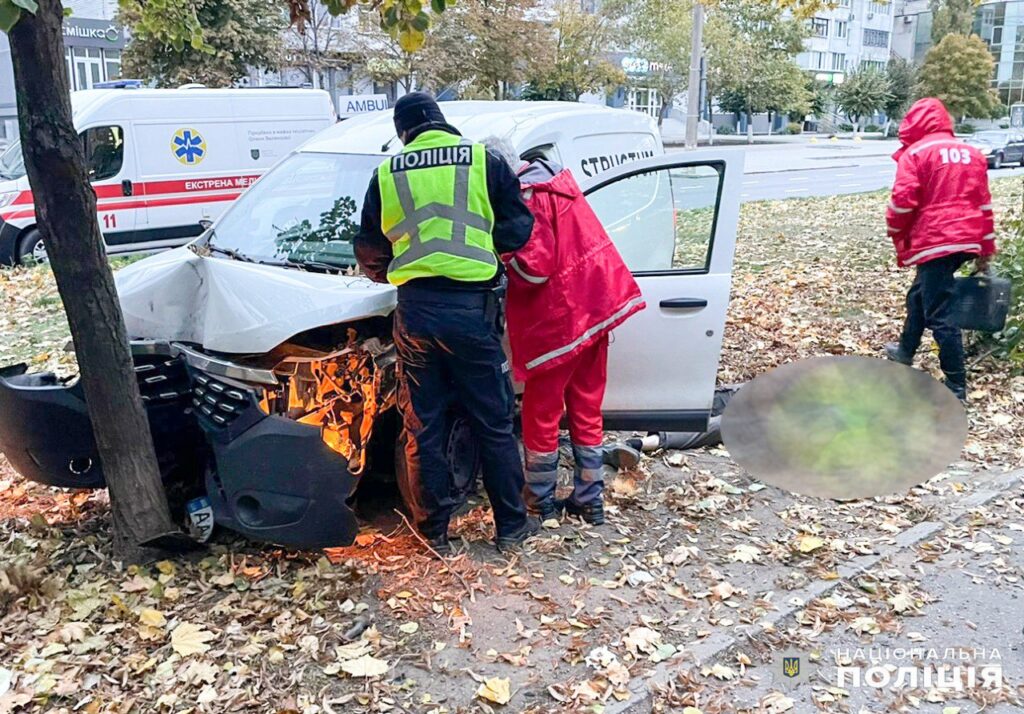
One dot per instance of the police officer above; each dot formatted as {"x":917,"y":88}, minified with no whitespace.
{"x":434,"y":219}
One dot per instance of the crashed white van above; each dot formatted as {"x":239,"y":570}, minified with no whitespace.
{"x":268,"y":365}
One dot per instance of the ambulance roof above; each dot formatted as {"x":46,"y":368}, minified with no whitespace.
{"x":522,"y":123}
{"x":262,"y":102}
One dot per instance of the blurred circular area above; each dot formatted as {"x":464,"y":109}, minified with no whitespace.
{"x":844,"y":427}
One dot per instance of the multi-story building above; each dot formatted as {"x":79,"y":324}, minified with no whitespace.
{"x":1001,"y":25}
{"x":912,"y":29}
{"x":852,"y":35}
{"x":93,"y":42}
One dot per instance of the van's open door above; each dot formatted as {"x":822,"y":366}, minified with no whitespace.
{"x":673,"y":219}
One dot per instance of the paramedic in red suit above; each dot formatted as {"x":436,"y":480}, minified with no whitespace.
{"x":940,"y":217}
{"x":568,"y":288}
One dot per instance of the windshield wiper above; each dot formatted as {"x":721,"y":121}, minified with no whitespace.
{"x":230,"y":252}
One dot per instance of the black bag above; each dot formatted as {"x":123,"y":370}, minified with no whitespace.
{"x":981,"y":302}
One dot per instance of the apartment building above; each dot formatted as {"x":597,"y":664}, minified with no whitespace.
{"x":852,"y":35}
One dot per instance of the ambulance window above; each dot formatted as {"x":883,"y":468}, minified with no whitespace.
{"x":664,"y":219}
{"x":104,"y":151}
{"x":547,"y":151}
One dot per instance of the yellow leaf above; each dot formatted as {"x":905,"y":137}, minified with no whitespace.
{"x":404,"y":594}
{"x":411,"y":40}
{"x":809,"y":543}
{"x":153,"y":618}
{"x":496,"y":689}
{"x":365,"y":666}
{"x":692,"y":710}
{"x":409,"y":628}
{"x":188,"y":639}
{"x":166,"y":567}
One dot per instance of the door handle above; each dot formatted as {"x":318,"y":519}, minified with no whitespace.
{"x":126,"y":187}
{"x":683,"y":303}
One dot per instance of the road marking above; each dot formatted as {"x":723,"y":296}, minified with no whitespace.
{"x":885,"y":173}
{"x":849,"y":185}
{"x":751,"y":183}
{"x":744,"y":195}
{"x":797,"y":190}
{"x":800,"y":178}
{"x":844,"y":175}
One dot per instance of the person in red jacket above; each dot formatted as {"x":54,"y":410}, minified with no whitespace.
{"x":939,"y":217}
{"x":568,"y":288}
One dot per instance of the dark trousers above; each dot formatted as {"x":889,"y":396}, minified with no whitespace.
{"x":449,"y":351}
{"x":929,"y":305}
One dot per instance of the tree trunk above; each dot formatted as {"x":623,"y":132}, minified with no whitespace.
{"x":65,"y":206}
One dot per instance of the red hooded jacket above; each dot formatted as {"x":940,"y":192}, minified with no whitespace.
{"x":940,"y":201}
{"x":568,"y":285}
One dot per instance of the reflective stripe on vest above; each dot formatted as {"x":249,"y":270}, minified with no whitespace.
{"x":408,"y":230}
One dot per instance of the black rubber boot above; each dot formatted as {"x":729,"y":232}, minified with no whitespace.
{"x":513,"y":542}
{"x":592,"y":513}
{"x":894,"y":353}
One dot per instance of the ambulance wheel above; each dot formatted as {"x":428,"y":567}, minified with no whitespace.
{"x":31,"y":250}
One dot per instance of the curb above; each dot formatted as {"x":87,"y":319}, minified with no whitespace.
{"x":641,"y":699}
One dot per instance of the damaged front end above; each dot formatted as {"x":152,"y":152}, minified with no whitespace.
{"x":278,"y":441}
{"x":290,"y":433}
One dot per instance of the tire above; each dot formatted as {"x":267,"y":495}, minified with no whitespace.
{"x":31,"y":250}
{"x":997,"y":162}
{"x":464,"y":460}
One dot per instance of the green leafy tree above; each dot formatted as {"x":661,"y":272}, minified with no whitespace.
{"x":575,"y":65}
{"x":902,"y":76}
{"x":951,"y":17}
{"x":958,"y":71}
{"x":750,"y":49}
{"x":862,"y":94}
{"x":65,"y":206}
{"x":237,"y":35}
{"x":659,"y":32}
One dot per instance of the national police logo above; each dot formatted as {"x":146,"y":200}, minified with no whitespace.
{"x":790,"y":669}
{"x":188,"y":146}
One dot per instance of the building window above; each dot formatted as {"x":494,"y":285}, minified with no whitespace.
{"x":842,"y":29}
{"x":882,"y":8}
{"x":817,"y":60}
{"x":838,"y":61}
{"x":874,"y":65}
{"x":819,"y":27}
{"x":111,"y":65}
{"x":844,"y":3}
{"x":876,"y":38}
{"x":87,"y":66}
{"x":644,"y":99}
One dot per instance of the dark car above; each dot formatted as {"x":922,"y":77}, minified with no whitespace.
{"x":1002,"y":146}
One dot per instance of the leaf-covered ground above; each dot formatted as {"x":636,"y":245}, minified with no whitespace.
{"x":694,"y":550}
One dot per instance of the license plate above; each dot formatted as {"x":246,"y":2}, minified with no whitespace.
{"x":200,"y":517}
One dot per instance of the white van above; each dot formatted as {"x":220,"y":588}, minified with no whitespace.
{"x":163,"y":161}
{"x":259,"y":338}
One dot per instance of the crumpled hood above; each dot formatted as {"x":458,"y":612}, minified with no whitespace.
{"x":237,"y":307}
{"x":926,"y":116}
{"x":544,"y":175}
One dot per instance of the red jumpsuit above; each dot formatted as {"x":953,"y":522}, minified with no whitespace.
{"x":568,"y":289}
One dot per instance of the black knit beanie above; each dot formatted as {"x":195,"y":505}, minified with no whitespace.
{"x":416,"y":109}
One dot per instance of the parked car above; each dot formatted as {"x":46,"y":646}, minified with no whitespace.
{"x":260,"y":336}
{"x":1003,"y":146}
{"x":164,"y":161}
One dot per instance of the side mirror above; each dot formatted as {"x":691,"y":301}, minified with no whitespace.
{"x":205,"y":224}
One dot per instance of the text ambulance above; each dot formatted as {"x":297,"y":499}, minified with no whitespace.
{"x":164,"y":161}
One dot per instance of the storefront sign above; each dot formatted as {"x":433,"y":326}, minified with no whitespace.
{"x":83,"y":32}
{"x":639,"y":65}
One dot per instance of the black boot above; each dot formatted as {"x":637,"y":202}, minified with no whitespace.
{"x":546,"y":510}
{"x":957,"y":383}
{"x":896,"y":354}
{"x":592,"y":513}
{"x":513,"y":542}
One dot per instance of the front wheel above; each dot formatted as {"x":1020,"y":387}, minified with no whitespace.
{"x":997,"y":162}
{"x":31,"y":249}
{"x":464,"y":460}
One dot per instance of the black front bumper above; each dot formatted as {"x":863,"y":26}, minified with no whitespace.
{"x":268,"y":477}
{"x":271,"y":478}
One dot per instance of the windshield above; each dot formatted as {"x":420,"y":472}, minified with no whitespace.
{"x":992,"y":137}
{"x":12,"y":166}
{"x":305,"y":210}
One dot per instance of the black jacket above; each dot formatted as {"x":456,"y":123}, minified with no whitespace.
{"x":513,"y":224}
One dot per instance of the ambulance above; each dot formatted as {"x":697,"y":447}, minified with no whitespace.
{"x":164,"y":162}
{"x":267,"y":364}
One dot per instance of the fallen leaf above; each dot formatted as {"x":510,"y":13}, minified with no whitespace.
{"x":807,"y":543}
{"x":496,"y":689}
{"x":409,"y":628}
{"x":745,"y":554}
{"x":188,"y":639}
{"x":365,"y":666}
{"x":153,"y":618}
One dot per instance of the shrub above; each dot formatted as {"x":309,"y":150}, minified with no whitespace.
{"x":963,"y":129}
{"x":793,"y":128}
{"x":872,"y":128}
{"x":1009,"y":263}
{"x":845,"y":127}
{"x":725,"y":129}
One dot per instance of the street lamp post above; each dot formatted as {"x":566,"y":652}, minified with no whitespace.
{"x":693,"y":86}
